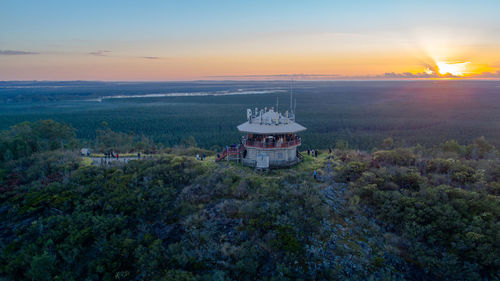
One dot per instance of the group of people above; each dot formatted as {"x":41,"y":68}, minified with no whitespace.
{"x":315,"y":152}
{"x":202,"y":157}
{"x":111,"y":154}
{"x":312,"y":152}
{"x":276,"y":140}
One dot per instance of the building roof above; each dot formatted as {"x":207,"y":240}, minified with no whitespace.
{"x":270,"y":122}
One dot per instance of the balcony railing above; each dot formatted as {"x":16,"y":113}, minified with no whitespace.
{"x":274,"y":163}
{"x":230,"y":151}
{"x":273,"y":144}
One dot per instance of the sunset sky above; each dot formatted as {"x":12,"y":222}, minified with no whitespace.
{"x":216,"y":40}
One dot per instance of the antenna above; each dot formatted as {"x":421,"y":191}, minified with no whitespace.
{"x":291,"y":94}
{"x":277,"y":103}
{"x":295,"y":106}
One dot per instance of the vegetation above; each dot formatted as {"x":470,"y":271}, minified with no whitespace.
{"x":399,"y":213}
{"x":27,"y":138}
{"x":441,"y":206}
{"x":355,"y":114}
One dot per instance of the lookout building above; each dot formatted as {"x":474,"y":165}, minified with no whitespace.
{"x":270,"y":140}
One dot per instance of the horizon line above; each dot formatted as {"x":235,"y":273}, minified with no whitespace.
{"x":266,"y":80}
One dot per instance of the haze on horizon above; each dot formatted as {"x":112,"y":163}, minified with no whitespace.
{"x":218,"y":40}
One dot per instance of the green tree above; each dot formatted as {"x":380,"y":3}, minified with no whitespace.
{"x":42,"y":267}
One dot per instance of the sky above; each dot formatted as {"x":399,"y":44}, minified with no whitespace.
{"x":218,"y":40}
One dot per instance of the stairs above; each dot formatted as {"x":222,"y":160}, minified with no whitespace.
{"x":231,"y":151}
{"x":299,"y":155}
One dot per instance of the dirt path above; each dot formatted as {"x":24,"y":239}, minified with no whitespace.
{"x":108,"y":162}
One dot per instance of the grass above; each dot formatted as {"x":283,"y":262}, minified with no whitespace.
{"x":311,"y":163}
{"x":86,"y":161}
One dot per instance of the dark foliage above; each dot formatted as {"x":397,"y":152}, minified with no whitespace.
{"x":26,"y":138}
{"x":404,"y":213}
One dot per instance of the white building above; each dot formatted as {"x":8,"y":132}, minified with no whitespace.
{"x":270,"y":138}
{"x":85,"y":152}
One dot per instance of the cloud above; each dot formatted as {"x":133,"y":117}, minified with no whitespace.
{"x":488,"y":75}
{"x":409,"y":75}
{"x":106,"y":53}
{"x":279,"y":76}
{"x":430,"y":72}
{"x":100,"y":53}
{"x":16,"y":53}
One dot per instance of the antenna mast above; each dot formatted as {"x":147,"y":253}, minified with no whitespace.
{"x":295,"y":106}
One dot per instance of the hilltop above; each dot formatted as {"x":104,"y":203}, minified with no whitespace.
{"x":397,"y":213}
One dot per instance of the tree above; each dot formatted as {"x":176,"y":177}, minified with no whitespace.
{"x":388,"y":143}
{"x":26,"y":138}
{"x":480,"y":148}
{"x":341,"y":144}
{"x":41,"y":267}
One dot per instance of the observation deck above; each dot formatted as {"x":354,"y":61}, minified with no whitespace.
{"x":271,"y":144}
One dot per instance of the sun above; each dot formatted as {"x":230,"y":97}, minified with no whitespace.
{"x":453,"y":68}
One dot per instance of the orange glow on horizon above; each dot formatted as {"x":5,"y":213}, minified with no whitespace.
{"x":453,"y":68}
{"x":223,"y":64}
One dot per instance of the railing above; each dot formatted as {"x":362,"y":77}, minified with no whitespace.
{"x":274,"y":144}
{"x":272,"y":164}
{"x":229,"y":151}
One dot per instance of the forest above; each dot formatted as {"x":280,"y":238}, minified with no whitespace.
{"x":359,"y":113}
{"x":397,"y":212}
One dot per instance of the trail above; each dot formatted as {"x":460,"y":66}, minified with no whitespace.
{"x":101,"y":161}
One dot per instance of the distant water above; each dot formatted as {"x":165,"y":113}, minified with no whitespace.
{"x":193,"y":94}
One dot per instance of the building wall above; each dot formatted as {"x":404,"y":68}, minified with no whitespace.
{"x":277,"y":157}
